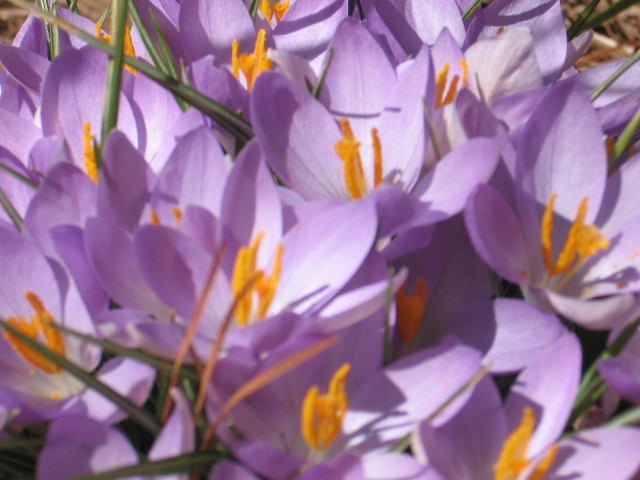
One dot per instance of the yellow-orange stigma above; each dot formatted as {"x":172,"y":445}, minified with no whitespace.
{"x":513,"y":459}
{"x":322,"y":414}
{"x":583,"y":241}
{"x":444,"y":96}
{"x":90,"y":162}
{"x":250,"y":64}
{"x":129,"y":49}
{"x":410,"y":310}
{"x":248,"y":280}
{"x":348,"y":149}
{"x":279,"y":8}
{"x":40,"y":323}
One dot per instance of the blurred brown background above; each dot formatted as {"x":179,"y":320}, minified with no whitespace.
{"x":616,"y":39}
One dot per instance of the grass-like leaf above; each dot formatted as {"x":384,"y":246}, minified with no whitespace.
{"x":227,"y":119}
{"x":17,"y":175}
{"x":623,"y":141}
{"x":472,"y":9}
{"x":576,"y":27}
{"x":192,"y":462}
{"x":599,"y":90}
{"x":11,"y":211}
{"x":158,"y":363}
{"x":114,"y":71}
{"x":609,"y":13}
{"x":317,"y":88}
{"x":136,"y":413}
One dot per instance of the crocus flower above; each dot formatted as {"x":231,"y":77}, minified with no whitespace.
{"x":520,"y":440}
{"x":36,"y":299}
{"x":331,"y":405}
{"x":570,"y":236}
{"x":78,"y":445}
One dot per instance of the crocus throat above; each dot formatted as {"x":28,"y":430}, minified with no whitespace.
{"x":90,"y":162}
{"x":410,"y":310}
{"x":129,"y":49}
{"x":583,"y":241}
{"x":279,"y":8}
{"x":322,"y":414}
{"x":513,"y":459}
{"x":348,"y":149}
{"x":444,"y":96}
{"x":39,"y":326}
{"x":251,"y":64}
{"x":250,"y":283}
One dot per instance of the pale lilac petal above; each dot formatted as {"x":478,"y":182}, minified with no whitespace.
{"x":130,"y":378}
{"x":466,"y":167}
{"x":227,"y":470}
{"x":320,"y":256}
{"x":556,"y":370}
{"x":504,"y":64}
{"x":511,"y":332}
{"x":209,"y":27}
{"x":468,"y":445}
{"x":610,"y":453}
{"x":78,"y":445}
{"x":178,"y":434}
{"x":308,"y":26}
{"x":496,"y":234}
{"x":251,"y":203}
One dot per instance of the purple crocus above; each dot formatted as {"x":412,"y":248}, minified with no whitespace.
{"x":331,"y":405}
{"x":37,"y":296}
{"x":569,"y":235}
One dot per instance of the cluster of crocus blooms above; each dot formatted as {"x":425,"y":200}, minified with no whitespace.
{"x":422,"y":263}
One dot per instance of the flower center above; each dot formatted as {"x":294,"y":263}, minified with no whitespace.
{"x":39,"y":326}
{"x":583,"y":241}
{"x":444,"y":96}
{"x":513,"y":458}
{"x":129,"y":49}
{"x":322,"y":414}
{"x":251,"y":64}
{"x":348,"y":149}
{"x":248,"y":282}
{"x":269,"y":8}
{"x":410,"y":310}
{"x":89,"y":147}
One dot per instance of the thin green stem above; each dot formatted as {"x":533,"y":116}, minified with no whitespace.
{"x":114,"y":71}
{"x":623,"y":141}
{"x":576,"y":27}
{"x":182,"y":464}
{"x":599,"y":90}
{"x":609,"y":13}
{"x":317,"y":88}
{"x":224,"y":117}
{"x":13,"y":214}
{"x":136,"y":413}
{"x":472,"y":9}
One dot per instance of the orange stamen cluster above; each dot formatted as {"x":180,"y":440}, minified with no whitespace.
{"x":279,"y":8}
{"x":40,"y":324}
{"x":444,"y":96}
{"x":129,"y":49}
{"x":410,"y":310}
{"x":248,"y":282}
{"x":513,"y":459}
{"x":583,"y":241}
{"x":251,"y":64}
{"x":322,"y":414}
{"x":348,"y":149}
{"x":90,"y":162}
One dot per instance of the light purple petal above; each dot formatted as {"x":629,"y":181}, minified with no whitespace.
{"x":557,"y":370}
